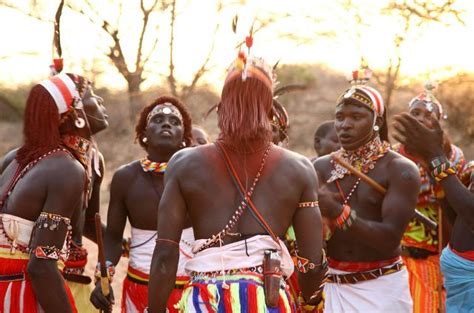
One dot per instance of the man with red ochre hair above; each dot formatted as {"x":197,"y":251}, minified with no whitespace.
{"x":43,"y":189}
{"x":163,"y":128}
{"x":247,"y":205}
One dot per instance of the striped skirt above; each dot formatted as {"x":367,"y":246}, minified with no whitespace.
{"x":236,"y":293}
{"x":135,"y":292}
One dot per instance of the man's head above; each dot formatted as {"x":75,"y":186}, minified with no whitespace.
{"x":55,"y":107}
{"x":325,"y":139}
{"x":164,"y":124}
{"x":244,"y":112}
{"x":360,"y":117}
{"x":425,"y":106}
{"x":200,"y":137}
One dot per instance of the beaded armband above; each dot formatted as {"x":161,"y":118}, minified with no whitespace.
{"x":110,"y":271}
{"x":51,"y":222}
{"x":346,"y":218}
{"x":47,"y":252}
{"x":314,"y":308}
{"x":310,"y":204}
{"x":303,"y":265}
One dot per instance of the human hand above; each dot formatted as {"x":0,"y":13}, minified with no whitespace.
{"x":329,"y":202}
{"x":420,"y":141}
{"x":100,"y":301}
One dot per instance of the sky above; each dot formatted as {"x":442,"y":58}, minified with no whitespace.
{"x":431,"y":50}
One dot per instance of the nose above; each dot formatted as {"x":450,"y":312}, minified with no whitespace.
{"x":346,"y":124}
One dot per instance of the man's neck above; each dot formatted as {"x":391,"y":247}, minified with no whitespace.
{"x":249,"y":147}
{"x":159,"y":156}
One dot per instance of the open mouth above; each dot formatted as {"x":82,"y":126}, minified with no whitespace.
{"x":165,"y":133}
{"x":345,"y":137}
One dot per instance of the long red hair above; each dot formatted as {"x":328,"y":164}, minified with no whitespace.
{"x":244,"y":112}
{"x":42,"y":123}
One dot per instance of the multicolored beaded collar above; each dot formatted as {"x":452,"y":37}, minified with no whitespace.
{"x":80,"y":147}
{"x":153,"y":167}
{"x":363,"y":158}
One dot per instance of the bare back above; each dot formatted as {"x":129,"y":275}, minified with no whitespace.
{"x":211,"y":194}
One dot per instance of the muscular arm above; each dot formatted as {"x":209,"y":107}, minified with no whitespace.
{"x":171,"y":220}
{"x":116,"y":216}
{"x":397,"y":209}
{"x":94,"y":205}
{"x":307,"y":223}
{"x":64,"y":193}
{"x":460,"y":198}
{"x":116,"y":219}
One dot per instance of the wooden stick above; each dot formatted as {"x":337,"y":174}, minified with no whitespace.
{"x":104,"y":277}
{"x":372,"y":183}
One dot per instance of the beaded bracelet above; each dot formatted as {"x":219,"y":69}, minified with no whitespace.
{"x":442,"y":171}
{"x":346,"y":218}
{"x":303,"y":265}
{"x":110,"y":271}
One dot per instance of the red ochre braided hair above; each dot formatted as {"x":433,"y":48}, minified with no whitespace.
{"x":43,"y":125}
{"x":183,"y":109}
{"x":245,"y":111}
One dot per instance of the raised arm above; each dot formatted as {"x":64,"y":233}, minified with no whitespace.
{"x":64,"y":195}
{"x":397,"y":209}
{"x":427,"y":144}
{"x":171,"y":220}
{"x":307,"y":223}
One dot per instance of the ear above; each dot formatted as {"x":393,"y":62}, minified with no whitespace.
{"x":379,"y":121}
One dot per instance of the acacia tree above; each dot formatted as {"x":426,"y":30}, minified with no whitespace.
{"x":411,"y":14}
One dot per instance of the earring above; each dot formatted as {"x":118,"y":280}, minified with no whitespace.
{"x":183,"y":144}
{"x":376,"y":128}
{"x":80,"y":122}
{"x":144,"y":139}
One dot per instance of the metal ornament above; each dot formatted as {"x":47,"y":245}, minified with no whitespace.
{"x":376,"y":128}
{"x":80,"y":122}
{"x":349,"y":93}
{"x":166,"y":111}
{"x":144,"y":140}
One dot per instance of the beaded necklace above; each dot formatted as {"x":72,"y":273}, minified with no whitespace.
{"x":153,"y":167}
{"x":363,"y":158}
{"x":218,"y":238}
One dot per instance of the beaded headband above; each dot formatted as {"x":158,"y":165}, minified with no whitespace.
{"x":365,"y":95}
{"x":166,"y":109}
{"x":64,"y":92}
{"x":429,"y":100}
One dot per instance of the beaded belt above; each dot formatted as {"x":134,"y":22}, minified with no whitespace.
{"x":354,"y":278}
{"x":13,"y":277}
{"x":254,"y":269}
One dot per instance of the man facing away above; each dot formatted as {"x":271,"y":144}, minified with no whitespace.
{"x":366,"y":271}
{"x":457,"y":259}
{"x":47,"y":184}
{"x":238,"y":195}
{"x":163,"y":128}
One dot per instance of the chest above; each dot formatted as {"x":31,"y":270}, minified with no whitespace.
{"x":144,"y":193}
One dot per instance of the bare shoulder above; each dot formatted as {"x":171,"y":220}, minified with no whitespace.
{"x":7,"y":159}
{"x":400,"y":166}
{"x":295,"y":161}
{"x":188,"y":158}
{"x":322,"y":162}
{"x":127,"y":172}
